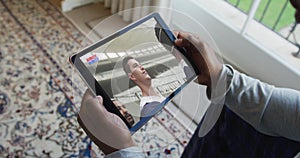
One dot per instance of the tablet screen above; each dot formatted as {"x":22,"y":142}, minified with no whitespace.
{"x":138,"y":69}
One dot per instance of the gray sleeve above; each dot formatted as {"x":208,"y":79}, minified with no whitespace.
{"x":131,"y":152}
{"x":282,"y":114}
{"x":272,"y":111}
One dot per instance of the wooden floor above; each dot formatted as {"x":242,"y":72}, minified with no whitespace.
{"x":82,"y":16}
{"x":94,"y":20}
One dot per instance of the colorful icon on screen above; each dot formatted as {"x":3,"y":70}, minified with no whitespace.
{"x":92,"y":59}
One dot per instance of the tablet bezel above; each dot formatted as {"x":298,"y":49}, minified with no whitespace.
{"x":98,"y":90}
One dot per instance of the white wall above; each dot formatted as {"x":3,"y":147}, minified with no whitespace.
{"x":241,"y":51}
{"x":68,"y":5}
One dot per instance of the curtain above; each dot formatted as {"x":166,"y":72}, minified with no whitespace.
{"x":141,"y":7}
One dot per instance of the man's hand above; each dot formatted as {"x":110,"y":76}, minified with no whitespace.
{"x":203,"y":56}
{"x":106,"y":130}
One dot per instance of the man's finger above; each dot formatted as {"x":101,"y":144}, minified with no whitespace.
{"x":100,"y":99}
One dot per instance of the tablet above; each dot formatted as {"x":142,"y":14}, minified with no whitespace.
{"x":137,"y":70}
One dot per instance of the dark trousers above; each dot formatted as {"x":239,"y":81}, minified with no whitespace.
{"x":231,"y":137}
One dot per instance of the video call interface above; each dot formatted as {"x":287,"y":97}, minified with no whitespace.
{"x":155,"y":70}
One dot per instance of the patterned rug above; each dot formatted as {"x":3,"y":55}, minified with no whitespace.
{"x":37,"y":95}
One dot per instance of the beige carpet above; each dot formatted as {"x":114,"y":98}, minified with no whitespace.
{"x":38,"y":87}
